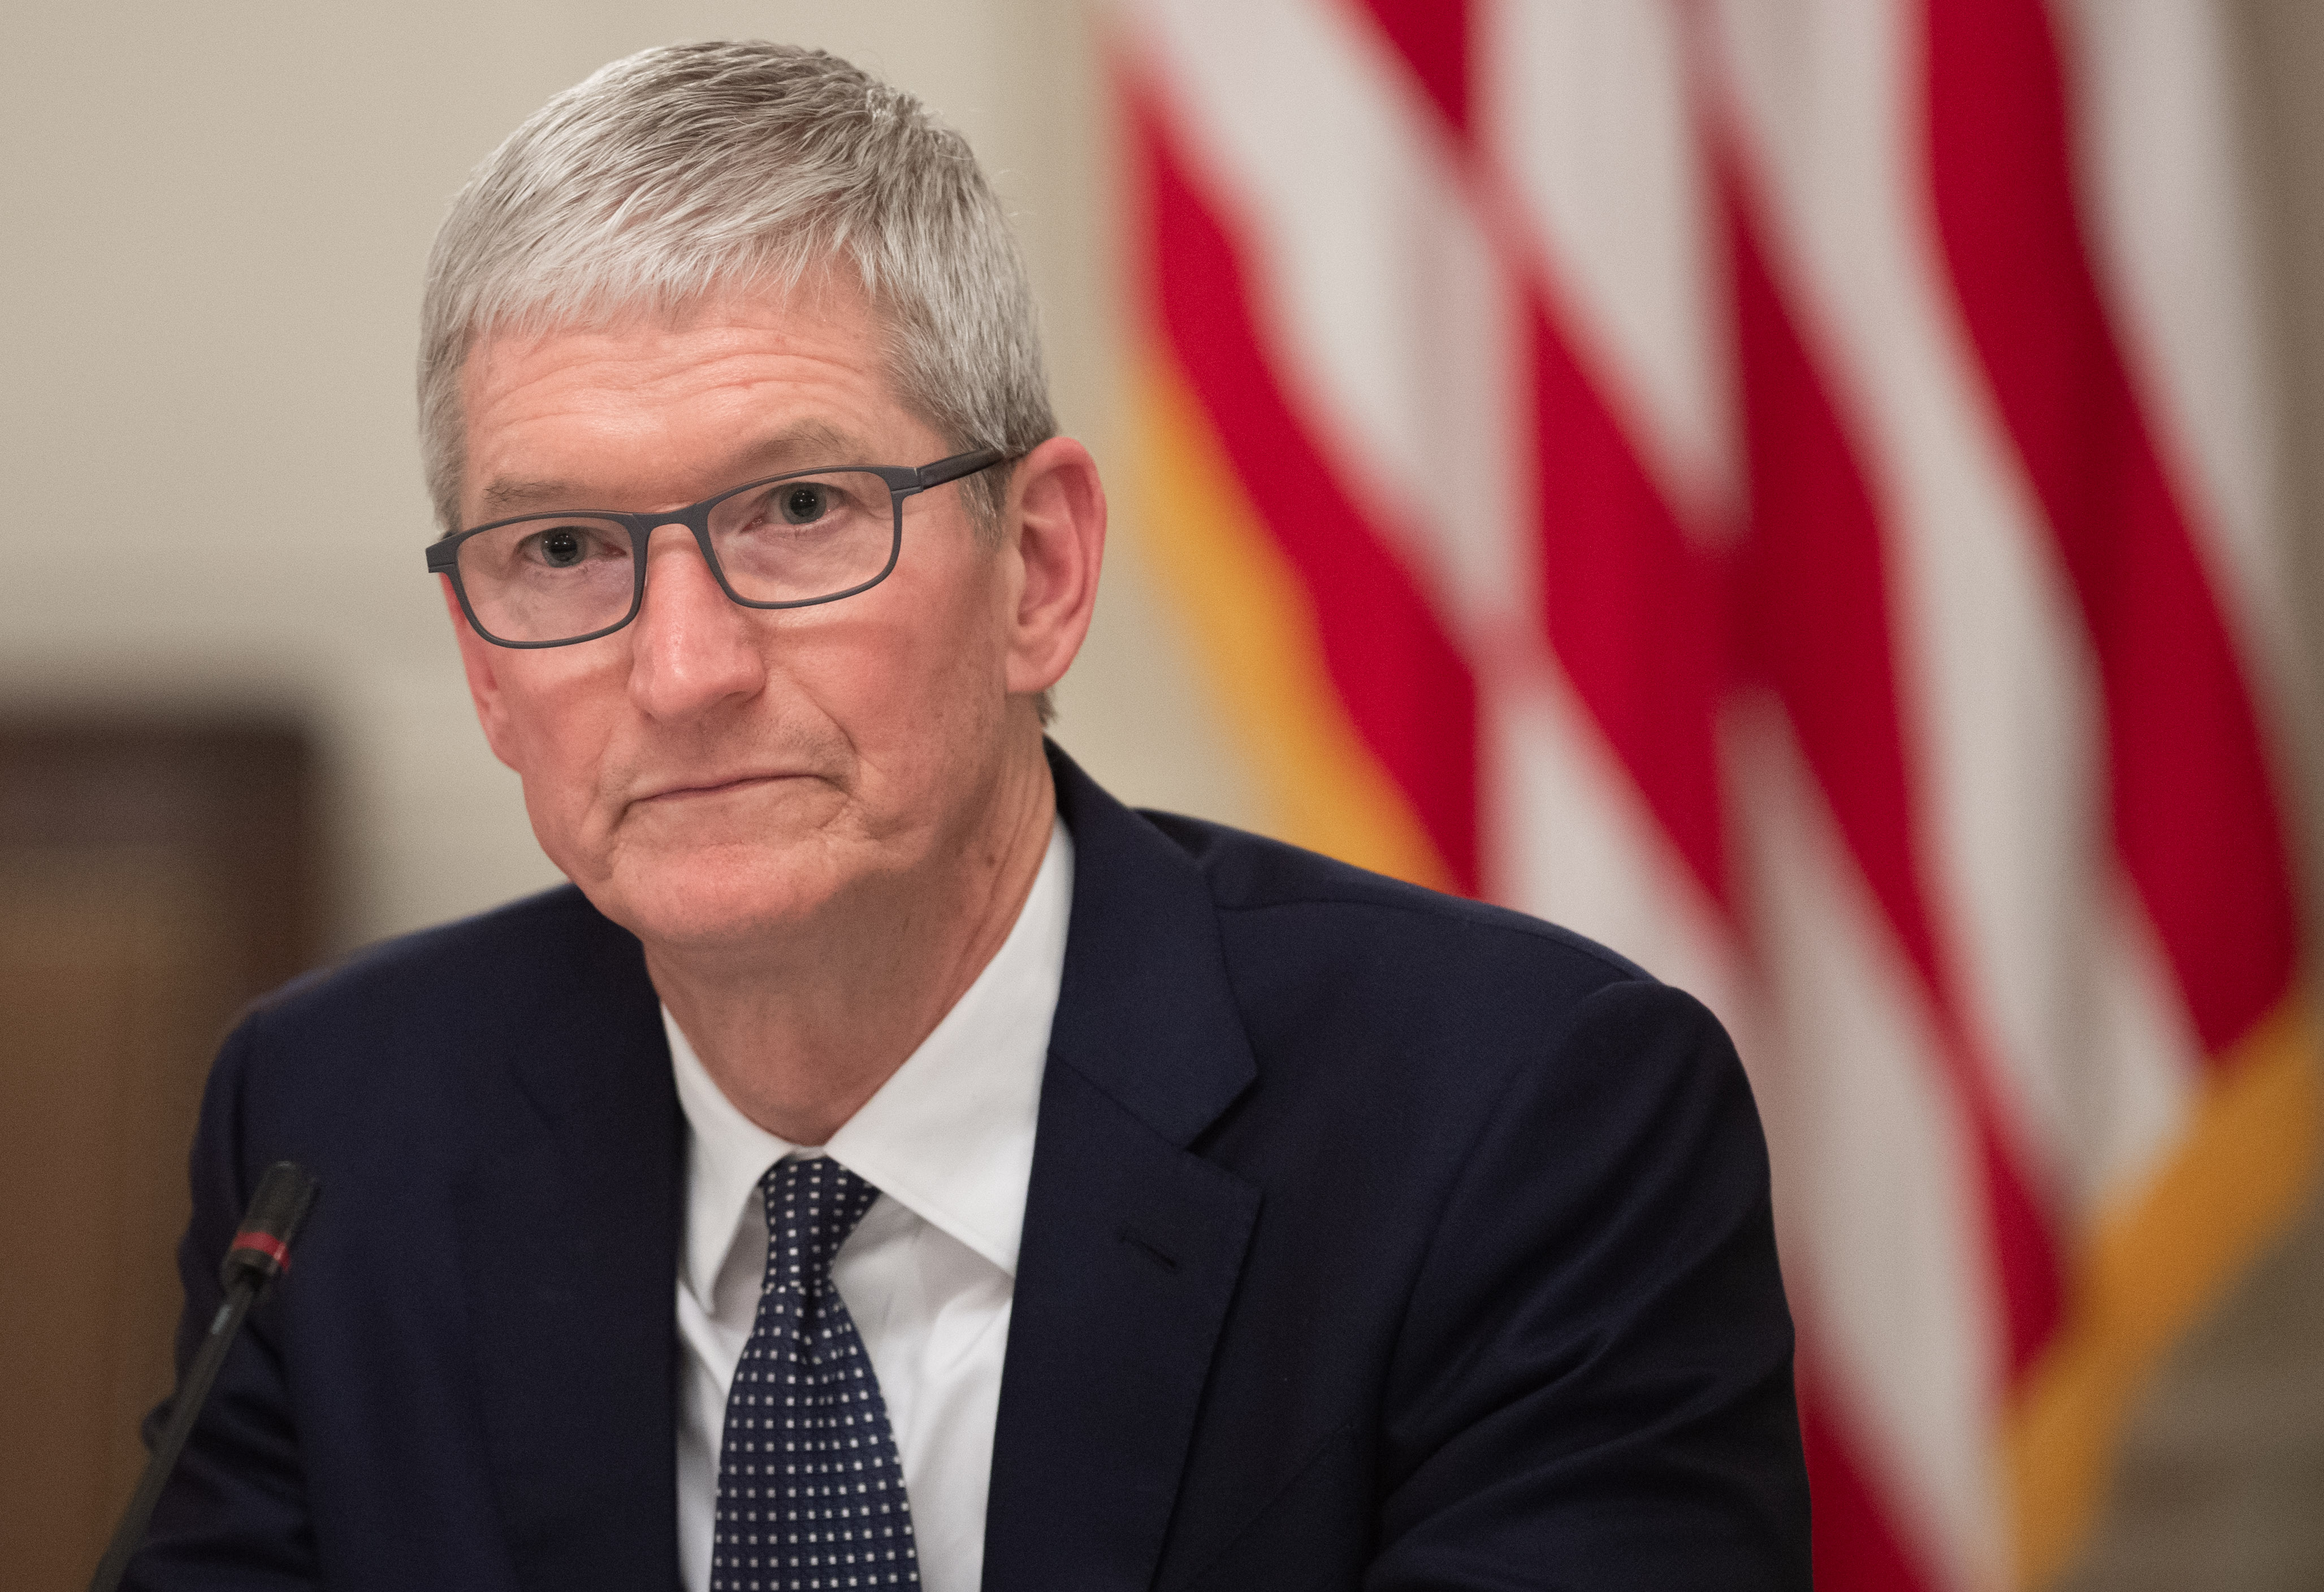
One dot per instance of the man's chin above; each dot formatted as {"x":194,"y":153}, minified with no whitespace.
{"x":716,"y":898}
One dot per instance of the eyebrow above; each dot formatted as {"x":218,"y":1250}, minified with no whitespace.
{"x":808,"y":446}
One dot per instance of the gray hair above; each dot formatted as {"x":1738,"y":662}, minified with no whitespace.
{"x":689,"y":169}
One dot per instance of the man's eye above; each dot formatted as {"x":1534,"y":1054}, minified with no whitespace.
{"x":564,"y":546}
{"x":802,"y":503}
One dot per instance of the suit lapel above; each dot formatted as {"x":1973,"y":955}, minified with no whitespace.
{"x":569,"y":1233}
{"x":1133,"y":1244}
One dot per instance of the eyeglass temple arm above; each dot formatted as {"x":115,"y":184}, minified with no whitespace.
{"x":955,"y":468}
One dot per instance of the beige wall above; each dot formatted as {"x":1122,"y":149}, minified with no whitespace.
{"x":215,"y":220}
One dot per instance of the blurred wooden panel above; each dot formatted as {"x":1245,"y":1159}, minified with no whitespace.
{"x":152,"y":880}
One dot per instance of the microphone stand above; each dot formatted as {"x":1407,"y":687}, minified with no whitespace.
{"x":261,"y":1253}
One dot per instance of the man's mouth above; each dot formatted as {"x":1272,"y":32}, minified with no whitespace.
{"x":717,"y":786}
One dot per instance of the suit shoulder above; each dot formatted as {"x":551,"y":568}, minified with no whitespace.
{"x":1254,"y":879}
{"x":490,"y":956}
{"x":395,"y":1050}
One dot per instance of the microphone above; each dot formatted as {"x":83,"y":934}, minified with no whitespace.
{"x":260,"y":1252}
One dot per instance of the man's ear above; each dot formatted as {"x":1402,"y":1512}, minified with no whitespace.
{"x":1057,"y":528}
{"x":479,"y":659}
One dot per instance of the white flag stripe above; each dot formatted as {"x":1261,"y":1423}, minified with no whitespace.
{"x":2000,"y":697}
{"x":2131,"y":1091}
{"x":2167,"y":223}
{"x":1394,"y":326}
{"x":1586,"y":853}
{"x":1878,"y":1200}
{"x":1585,"y":111}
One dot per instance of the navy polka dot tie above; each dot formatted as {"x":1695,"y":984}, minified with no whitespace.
{"x":810,"y":1492}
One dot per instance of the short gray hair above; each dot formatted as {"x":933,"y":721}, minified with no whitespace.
{"x":690,"y":168}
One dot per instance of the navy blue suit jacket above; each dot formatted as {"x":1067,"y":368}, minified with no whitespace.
{"x":1375,"y":1239}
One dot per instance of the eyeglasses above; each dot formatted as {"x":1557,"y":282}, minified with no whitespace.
{"x":787,"y":542}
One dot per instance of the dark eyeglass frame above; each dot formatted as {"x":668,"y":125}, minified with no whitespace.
{"x":903,"y":482}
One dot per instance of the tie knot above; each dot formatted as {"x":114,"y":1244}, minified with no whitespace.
{"x":811,"y":1208}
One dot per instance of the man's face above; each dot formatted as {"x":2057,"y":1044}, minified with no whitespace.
{"x":711,"y":772}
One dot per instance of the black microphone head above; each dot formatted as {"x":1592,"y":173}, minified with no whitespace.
{"x":261,"y":1250}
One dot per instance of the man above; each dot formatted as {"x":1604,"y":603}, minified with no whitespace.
{"x":891,"y":1162}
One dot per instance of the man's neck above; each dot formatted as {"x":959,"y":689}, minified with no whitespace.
{"x":801,"y":1035}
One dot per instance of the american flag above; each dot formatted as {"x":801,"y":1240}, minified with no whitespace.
{"x":1783,"y":486}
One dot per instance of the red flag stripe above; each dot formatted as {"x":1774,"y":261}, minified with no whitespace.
{"x":1855,"y":1546}
{"x":2195,"y":813}
{"x":1813,"y":622}
{"x":1433,"y":37}
{"x":1635,"y":612}
{"x":1407,"y":687}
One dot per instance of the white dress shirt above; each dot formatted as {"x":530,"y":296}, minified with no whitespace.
{"x":929,"y":1274}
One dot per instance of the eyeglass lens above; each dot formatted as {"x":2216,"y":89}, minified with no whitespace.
{"x":553,"y":577}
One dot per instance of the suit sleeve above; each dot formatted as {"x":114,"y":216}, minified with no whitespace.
{"x":1593,"y":1386}
{"x":235,"y":1512}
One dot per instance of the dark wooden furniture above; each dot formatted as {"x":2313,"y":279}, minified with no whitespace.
{"x":153,"y":876}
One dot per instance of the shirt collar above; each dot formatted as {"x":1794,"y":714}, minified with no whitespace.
{"x":949,"y":1136}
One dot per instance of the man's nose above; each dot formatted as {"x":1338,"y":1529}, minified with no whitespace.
{"x":691,"y":647}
